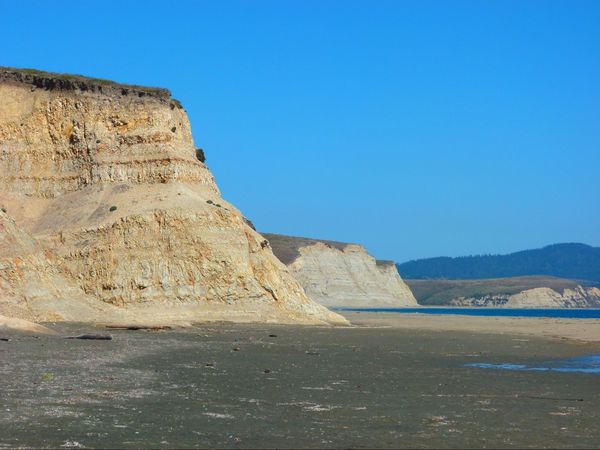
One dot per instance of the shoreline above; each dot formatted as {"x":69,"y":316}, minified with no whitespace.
{"x":461,"y":307}
{"x":583,"y":330}
{"x":286,"y":386}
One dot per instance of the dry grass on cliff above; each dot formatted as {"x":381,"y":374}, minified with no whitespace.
{"x":63,"y":81}
{"x":287,"y":248}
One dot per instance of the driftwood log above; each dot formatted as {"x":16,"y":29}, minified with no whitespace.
{"x":137,"y":327}
{"x":94,"y":337}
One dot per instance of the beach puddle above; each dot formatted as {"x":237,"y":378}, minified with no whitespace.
{"x":582,"y":364}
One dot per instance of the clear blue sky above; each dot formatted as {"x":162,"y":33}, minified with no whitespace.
{"x":416,"y":128}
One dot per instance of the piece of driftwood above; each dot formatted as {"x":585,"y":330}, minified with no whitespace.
{"x":137,"y":327}
{"x":94,"y":337}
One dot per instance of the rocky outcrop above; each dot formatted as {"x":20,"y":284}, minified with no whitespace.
{"x":579,"y":297}
{"x":115,"y":214}
{"x":541,"y":297}
{"x":337,"y":274}
{"x":487,"y":300}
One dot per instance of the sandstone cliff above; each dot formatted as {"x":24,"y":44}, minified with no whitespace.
{"x":31,"y":285}
{"x":578,"y":297}
{"x":113,"y":216}
{"x":337,"y":274}
{"x":541,"y":297}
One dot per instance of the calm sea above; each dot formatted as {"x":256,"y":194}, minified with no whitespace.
{"x":509,"y":312}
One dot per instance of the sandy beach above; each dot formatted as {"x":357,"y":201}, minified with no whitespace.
{"x":379,"y":384}
{"x":587,"y":330}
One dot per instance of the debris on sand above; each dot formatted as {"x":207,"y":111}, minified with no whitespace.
{"x":138,"y":327}
{"x":92,"y":337}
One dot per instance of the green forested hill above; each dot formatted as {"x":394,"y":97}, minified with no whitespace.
{"x":573,"y":261}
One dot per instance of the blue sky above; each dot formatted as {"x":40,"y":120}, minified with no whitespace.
{"x":416,"y":128}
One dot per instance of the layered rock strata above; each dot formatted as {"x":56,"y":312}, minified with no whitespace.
{"x":114,"y":211}
{"x":579,"y":297}
{"x":32,"y":286}
{"x":338,"y":274}
{"x":541,"y":297}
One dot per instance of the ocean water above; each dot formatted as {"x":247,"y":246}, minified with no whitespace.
{"x":582,"y":364}
{"x":506,"y":312}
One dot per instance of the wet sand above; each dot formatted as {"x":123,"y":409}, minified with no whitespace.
{"x":587,"y":330}
{"x":263,"y":386}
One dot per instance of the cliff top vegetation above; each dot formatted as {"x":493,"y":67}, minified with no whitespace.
{"x":287,"y":248}
{"x":71,"y":82}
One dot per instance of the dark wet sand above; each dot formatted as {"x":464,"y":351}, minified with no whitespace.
{"x":306,"y":387}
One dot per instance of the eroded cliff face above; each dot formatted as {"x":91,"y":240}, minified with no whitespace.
{"x":32,"y":286}
{"x":542,"y":297}
{"x":341,"y":275}
{"x":579,"y":297}
{"x":102,"y":184}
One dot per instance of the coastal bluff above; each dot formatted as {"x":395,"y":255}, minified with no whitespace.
{"x":538,"y":297}
{"x":338,"y":274}
{"x":578,"y":297}
{"x":535,"y":291}
{"x":107,"y":214}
